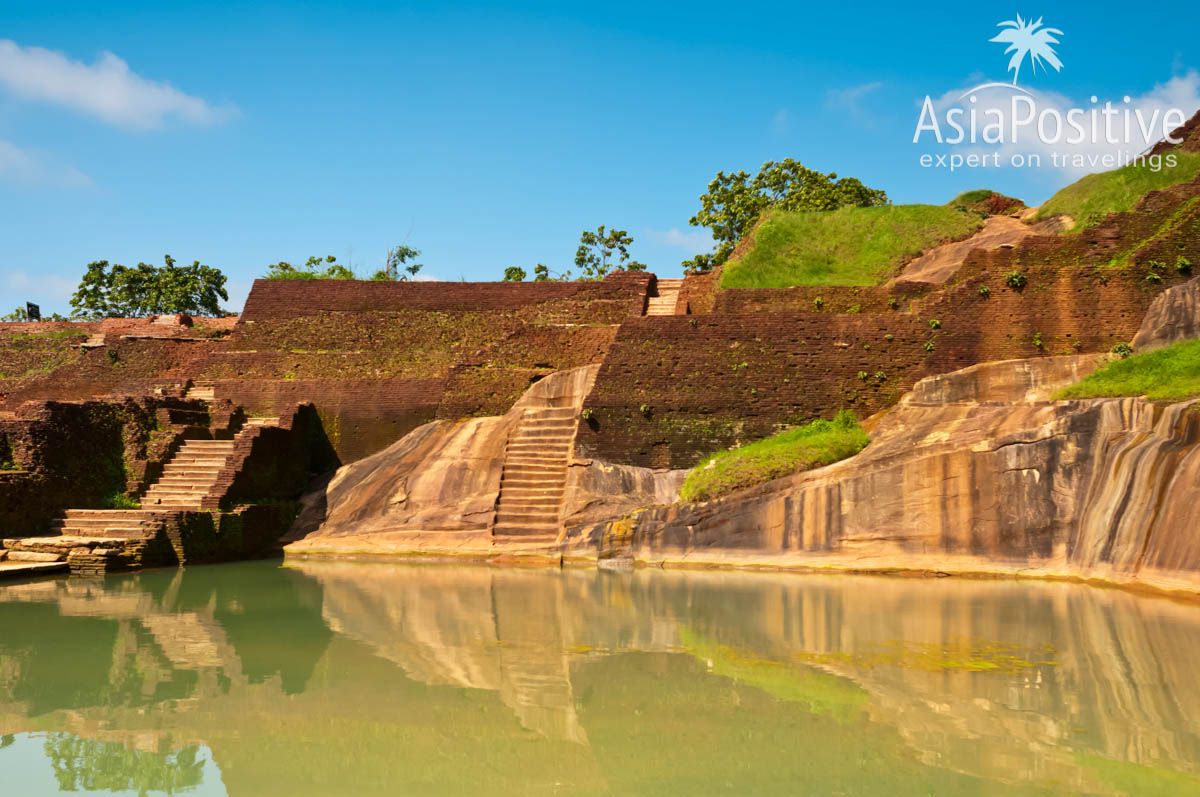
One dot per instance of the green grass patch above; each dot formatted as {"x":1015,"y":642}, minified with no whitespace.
{"x":1092,"y":198}
{"x":120,"y":501}
{"x":850,"y":246}
{"x":803,"y":448}
{"x":1169,"y":374}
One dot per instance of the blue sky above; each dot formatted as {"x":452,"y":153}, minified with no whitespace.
{"x":484,"y":134}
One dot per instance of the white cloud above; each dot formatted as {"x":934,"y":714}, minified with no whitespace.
{"x":49,"y":290}
{"x":106,"y":89}
{"x":1181,"y":92}
{"x":781,"y":122}
{"x":27,"y":167}
{"x":850,"y":99}
{"x":692,"y":241}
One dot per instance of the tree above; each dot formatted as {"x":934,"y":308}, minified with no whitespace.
{"x":21,"y":314}
{"x":734,"y":202}
{"x":315,"y":268}
{"x":514,"y":274}
{"x":603,"y":251}
{"x":397,"y":262}
{"x":117,"y":291}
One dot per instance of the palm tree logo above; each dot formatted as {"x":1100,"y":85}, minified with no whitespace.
{"x":1028,"y":38}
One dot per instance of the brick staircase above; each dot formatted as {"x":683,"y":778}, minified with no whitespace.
{"x":535,"y":474}
{"x":205,"y":391}
{"x":665,"y":298}
{"x":92,"y":538}
{"x":192,"y":472}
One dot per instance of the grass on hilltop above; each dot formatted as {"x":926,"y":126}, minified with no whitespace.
{"x":1169,"y":374}
{"x":803,"y":448}
{"x":1090,"y":199}
{"x":850,"y":246}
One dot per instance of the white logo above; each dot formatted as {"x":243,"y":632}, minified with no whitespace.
{"x":1005,"y":124}
{"x":1029,"y":39}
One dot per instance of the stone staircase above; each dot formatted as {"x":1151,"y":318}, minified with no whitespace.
{"x":665,"y":298}
{"x":535,"y":474}
{"x":190,"y":475}
{"x":205,"y":391}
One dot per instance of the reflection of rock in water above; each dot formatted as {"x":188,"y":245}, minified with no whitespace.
{"x":474,"y":628}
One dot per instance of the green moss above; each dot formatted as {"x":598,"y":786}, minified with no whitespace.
{"x":1168,"y":374}
{"x":119,"y":501}
{"x":805,"y":447}
{"x":851,"y":246}
{"x":1092,"y":198}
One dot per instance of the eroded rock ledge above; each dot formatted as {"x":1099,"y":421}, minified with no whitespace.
{"x":976,"y":471}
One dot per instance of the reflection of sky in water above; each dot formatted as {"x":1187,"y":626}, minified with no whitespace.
{"x":342,"y":678}
{"x":29,"y":771}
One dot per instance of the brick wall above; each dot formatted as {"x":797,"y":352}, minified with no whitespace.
{"x":275,"y":299}
{"x":674,"y":389}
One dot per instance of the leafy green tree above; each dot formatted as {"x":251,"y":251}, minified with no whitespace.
{"x":18,"y":314}
{"x":514,"y":274}
{"x":734,"y":202}
{"x":117,"y":291}
{"x":397,"y":267}
{"x":604,"y":251}
{"x":315,"y":268}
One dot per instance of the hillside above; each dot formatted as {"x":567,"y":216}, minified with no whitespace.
{"x":851,"y":246}
{"x":1092,"y":198}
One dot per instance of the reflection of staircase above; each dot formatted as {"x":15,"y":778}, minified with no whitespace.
{"x":535,"y":473}
{"x":665,"y":298}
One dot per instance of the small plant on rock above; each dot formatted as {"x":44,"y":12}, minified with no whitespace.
{"x":889,"y":337}
{"x":1016,"y":280}
{"x":1122,"y":350}
{"x":1153,"y":277}
{"x":1038,"y":343}
{"x":863,"y":375}
{"x":1183,"y":265}
{"x":880,"y":376}
{"x":588,"y":415}
{"x":819,"y":302}
{"x":894,"y":303}
{"x":985,"y":291}
{"x":644,"y":410}
{"x":929,"y":345}
{"x":935,"y":323}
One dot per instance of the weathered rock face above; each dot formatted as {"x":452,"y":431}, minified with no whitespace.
{"x":1174,"y":315}
{"x":439,"y":485}
{"x":973,"y":471}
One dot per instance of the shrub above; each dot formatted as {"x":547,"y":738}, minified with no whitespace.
{"x":587,"y":415}
{"x":894,"y":303}
{"x":985,"y":291}
{"x":880,"y":376}
{"x":1183,"y":265}
{"x":120,"y":501}
{"x":1153,"y":277}
{"x":935,"y":323}
{"x":929,"y":345}
{"x":819,"y":302}
{"x":1016,"y":280}
{"x":863,"y":375}
{"x":1122,"y":350}
{"x":1038,"y":343}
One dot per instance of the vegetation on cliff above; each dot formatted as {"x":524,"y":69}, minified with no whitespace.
{"x":735,"y":202}
{"x":851,"y":246}
{"x":117,"y":291}
{"x":1092,"y":198}
{"x":803,"y":448}
{"x":1169,"y":374}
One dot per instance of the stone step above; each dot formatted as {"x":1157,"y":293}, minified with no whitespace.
{"x":105,"y":533}
{"x":35,"y":556}
{"x":137,"y":521}
{"x":526,"y":530}
{"x":531,"y":470}
{"x":546,"y":413}
{"x":558,"y":448}
{"x":521,"y":503}
{"x":262,"y":422}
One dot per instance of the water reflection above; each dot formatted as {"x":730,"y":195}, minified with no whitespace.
{"x":361,"y":678}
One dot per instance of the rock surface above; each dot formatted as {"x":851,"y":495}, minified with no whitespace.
{"x":436,"y":489}
{"x":975,"y":471}
{"x":1174,"y":315}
